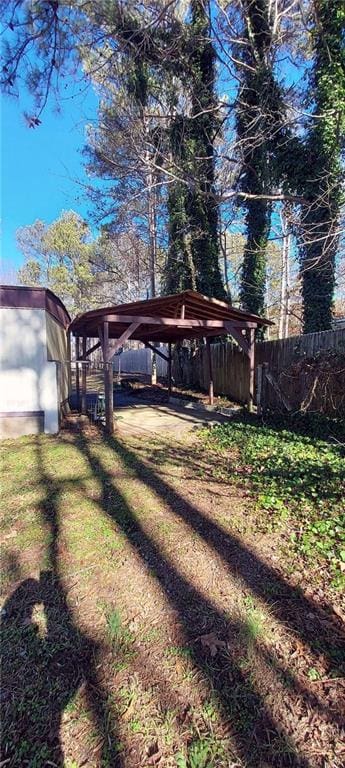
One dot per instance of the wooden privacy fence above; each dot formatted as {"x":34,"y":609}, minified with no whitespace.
{"x":317,"y":385}
{"x":140,"y":361}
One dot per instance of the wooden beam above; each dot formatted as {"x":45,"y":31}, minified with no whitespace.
{"x":100,"y":334}
{"x":108,"y":382}
{"x":210,"y":372}
{"x":166,"y":335}
{"x":157,"y":351}
{"x":251,"y":357}
{"x":169,"y":371}
{"x":77,"y":382}
{"x":238,"y":336}
{"x":89,"y":351}
{"x":69,"y":367}
{"x":168,"y":321}
{"x":83,"y":377}
{"x":121,"y":340}
{"x":243,"y":324}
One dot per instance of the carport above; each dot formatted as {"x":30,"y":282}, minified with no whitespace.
{"x":168,"y":320}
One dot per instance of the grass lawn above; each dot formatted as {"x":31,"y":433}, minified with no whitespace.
{"x":172,"y":603}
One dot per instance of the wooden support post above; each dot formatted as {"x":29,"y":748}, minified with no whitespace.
{"x":169,"y":371}
{"x":77,"y":383}
{"x":83,"y":377}
{"x":108,"y":382}
{"x":259,"y":383}
{"x":153,"y":368}
{"x":210,"y":371}
{"x":69,"y":365}
{"x":251,"y":360}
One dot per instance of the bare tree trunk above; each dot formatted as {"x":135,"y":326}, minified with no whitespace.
{"x":287,"y":283}
{"x":285,"y":275}
{"x":222,"y":242}
{"x":152,"y":227}
{"x":282,"y":291}
{"x":267,"y":311}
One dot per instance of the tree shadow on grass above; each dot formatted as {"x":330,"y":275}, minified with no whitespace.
{"x":258,"y":738}
{"x":46,"y":659}
{"x":318,"y":628}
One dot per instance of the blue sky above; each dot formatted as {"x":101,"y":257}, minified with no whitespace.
{"x":41,"y":166}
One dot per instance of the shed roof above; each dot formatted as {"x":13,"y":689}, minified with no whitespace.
{"x":185,"y":315}
{"x":34,"y":297}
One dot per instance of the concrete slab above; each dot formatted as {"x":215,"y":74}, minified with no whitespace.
{"x":163,"y":419}
{"x":135,"y":415}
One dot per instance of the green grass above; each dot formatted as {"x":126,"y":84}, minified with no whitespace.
{"x":202,"y":753}
{"x":297,"y":482}
{"x":253,"y":625}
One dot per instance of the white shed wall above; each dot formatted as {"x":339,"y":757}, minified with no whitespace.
{"x":28,"y":381}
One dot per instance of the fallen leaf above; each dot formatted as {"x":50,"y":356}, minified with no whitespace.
{"x":212,"y":643}
{"x":154,"y":754}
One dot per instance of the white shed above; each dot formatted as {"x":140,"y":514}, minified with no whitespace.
{"x":34,"y":367}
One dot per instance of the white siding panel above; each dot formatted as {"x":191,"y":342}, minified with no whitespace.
{"x":28,"y":381}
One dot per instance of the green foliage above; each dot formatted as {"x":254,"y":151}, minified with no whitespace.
{"x":179,"y":271}
{"x":298,"y":482}
{"x":266,"y":146}
{"x":58,"y":257}
{"x":131,"y":47}
{"x":253,"y":274}
{"x":193,"y":258}
{"x":202,"y":753}
{"x":204,"y":125}
{"x":31,"y":273}
{"x":323,"y":172}
{"x":259,"y":104}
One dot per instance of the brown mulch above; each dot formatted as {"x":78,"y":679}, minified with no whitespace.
{"x":157,"y":393}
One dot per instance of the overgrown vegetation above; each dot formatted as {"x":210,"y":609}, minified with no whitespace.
{"x":297,"y":482}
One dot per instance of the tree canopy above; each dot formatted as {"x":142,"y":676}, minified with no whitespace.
{"x":214,"y":117}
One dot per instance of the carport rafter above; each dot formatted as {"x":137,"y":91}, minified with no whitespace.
{"x":89,"y":351}
{"x":157,"y":351}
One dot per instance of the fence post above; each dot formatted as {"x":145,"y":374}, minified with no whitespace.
{"x":210,"y":371}
{"x":251,"y":360}
{"x":77,"y":381}
{"x":169,"y":371}
{"x":108,"y":381}
{"x":83,"y":375}
{"x":259,"y":381}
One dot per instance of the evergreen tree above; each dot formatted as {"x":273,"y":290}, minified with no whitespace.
{"x":204,"y":126}
{"x":58,"y":257}
{"x":323,"y":173}
{"x":260,"y":117}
